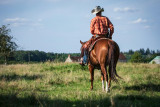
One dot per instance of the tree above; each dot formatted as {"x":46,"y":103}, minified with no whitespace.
{"x":142,"y":51}
{"x":136,"y":57}
{"x":148,"y":51}
{"x":130,"y":52}
{"x":158,"y":52}
{"x":7,"y":46}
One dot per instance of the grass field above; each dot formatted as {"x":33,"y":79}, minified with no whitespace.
{"x":67,"y":85}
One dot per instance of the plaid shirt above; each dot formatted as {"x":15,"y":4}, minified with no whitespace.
{"x":100,"y":24}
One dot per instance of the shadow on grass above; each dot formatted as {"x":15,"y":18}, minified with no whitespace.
{"x":120,"y":101}
{"x":136,"y":100}
{"x":12,"y":100}
{"x":14,"y":77}
{"x":147,"y":87}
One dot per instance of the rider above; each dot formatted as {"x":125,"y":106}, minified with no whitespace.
{"x":98,"y":28}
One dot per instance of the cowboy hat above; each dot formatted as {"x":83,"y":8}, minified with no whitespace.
{"x":97,"y":9}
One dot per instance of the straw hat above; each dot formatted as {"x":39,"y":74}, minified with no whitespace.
{"x":97,"y":9}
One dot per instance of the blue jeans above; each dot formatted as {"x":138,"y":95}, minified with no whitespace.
{"x":85,"y":57}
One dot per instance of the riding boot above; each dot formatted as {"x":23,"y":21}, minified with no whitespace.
{"x":81,"y":61}
{"x":81,"y":57}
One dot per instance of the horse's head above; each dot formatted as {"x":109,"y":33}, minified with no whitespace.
{"x":82,"y":43}
{"x":82,"y":48}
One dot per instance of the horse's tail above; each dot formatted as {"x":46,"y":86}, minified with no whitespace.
{"x":113,"y":58}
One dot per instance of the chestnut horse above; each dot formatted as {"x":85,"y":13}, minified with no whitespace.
{"x":104,"y":54}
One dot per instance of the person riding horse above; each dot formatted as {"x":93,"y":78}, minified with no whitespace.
{"x":98,"y":28}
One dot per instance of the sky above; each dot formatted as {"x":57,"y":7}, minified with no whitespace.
{"x":59,"y":25}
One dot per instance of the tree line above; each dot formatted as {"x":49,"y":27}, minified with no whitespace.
{"x":22,"y":56}
{"x":141,"y":55}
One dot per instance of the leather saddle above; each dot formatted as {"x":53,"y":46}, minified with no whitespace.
{"x":94,"y":41}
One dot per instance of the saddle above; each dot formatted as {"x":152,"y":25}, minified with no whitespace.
{"x":89,"y":45}
{"x":94,"y":41}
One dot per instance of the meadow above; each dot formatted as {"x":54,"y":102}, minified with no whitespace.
{"x":68,"y":85}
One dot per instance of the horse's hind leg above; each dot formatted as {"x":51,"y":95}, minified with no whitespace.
{"x":102,"y":79}
{"x":91,"y":69}
{"x":104,"y":71}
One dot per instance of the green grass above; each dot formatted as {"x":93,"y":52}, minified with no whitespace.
{"x":67,"y":85}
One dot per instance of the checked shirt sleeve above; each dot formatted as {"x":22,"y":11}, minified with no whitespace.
{"x":110,"y":25}
{"x":92,"y":26}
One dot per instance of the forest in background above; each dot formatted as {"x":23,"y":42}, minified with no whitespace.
{"x":34,"y":56}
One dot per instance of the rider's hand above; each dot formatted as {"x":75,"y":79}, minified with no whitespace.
{"x":110,"y":37}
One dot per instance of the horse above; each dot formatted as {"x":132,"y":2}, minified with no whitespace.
{"x":105,"y":53}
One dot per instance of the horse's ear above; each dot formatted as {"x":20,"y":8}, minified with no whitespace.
{"x":81,"y":42}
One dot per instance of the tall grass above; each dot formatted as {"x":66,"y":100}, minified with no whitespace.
{"x":62,"y":84}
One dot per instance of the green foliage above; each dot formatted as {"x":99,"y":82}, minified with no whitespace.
{"x":153,"y":62}
{"x":147,"y":55}
{"x":143,"y":52}
{"x":39,"y":56}
{"x":148,"y":51}
{"x":148,"y":58}
{"x":136,"y":58}
{"x":7,"y":46}
{"x":130,"y":52}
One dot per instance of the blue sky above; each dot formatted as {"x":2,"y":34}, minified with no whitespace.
{"x":58,"y":25}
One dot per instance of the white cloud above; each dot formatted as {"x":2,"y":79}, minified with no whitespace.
{"x":15,"y":20}
{"x":23,"y":22}
{"x":17,"y":24}
{"x":139,"y":20}
{"x":126,"y":9}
